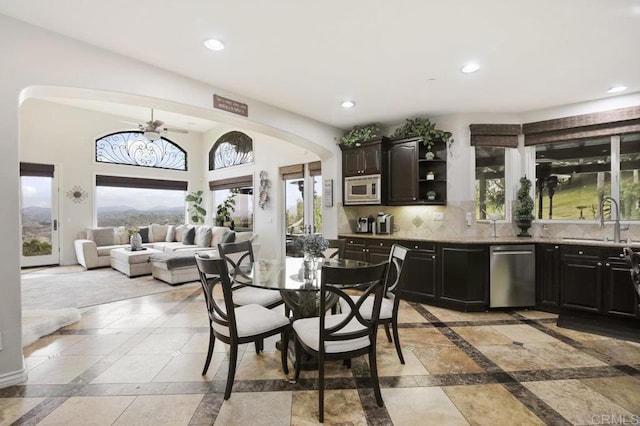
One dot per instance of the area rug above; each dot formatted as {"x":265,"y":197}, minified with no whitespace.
{"x":73,"y":287}
{"x":40,"y":322}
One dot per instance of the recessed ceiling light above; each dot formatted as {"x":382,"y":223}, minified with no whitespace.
{"x":348,"y":104}
{"x":470,"y":68}
{"x":617,"y":89}
{"x":213,"y":44}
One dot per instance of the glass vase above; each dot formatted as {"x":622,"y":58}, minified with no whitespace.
{"x":310,"y":266}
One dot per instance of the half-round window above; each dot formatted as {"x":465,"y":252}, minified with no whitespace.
{"x":133,"y":149}
{"x":231,"y":149}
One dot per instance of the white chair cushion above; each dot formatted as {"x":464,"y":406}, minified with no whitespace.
{"x":253,"y":320}
{"x":308,"y":331}
{"x":259,"y":296}
{"x":386,"y":308}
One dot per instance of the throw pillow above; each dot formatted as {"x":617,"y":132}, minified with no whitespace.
{"x":180,"y":232}
{"x":216,"y":234}
{"x":203,"y":236}
{"x":188,"y":237}
{"x":228,"y":237}
{"x":157,"y":232}
{"x":121,"y":235}
{"x":102,"y":236}
{"x":144,"y":233}
{"x":171,"y":234}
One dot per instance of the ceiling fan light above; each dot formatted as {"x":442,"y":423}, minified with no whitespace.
{"x":152,"y":135}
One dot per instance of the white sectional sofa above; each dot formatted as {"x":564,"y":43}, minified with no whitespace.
{"x":94,"y":251}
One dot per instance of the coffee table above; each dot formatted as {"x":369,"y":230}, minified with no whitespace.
{"x":132,"y":263}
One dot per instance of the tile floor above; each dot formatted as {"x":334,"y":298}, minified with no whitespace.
{"x":139,"y":361}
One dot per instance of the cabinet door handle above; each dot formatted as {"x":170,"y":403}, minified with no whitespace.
{"x":381,"y":244}
{"x":580,"y":252}
{"x":415,"y":247}
{"x":556,"y":247}
{"x":621,"y":255}
{"x":599,"y":263}
{"x":433,"y":257}
{"x":607,"y":264}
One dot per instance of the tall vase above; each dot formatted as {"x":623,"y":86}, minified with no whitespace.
{"x":136,"y":241}
{"x":310,"y":266}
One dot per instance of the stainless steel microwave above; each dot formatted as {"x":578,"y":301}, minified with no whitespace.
{"x":362,"y":190}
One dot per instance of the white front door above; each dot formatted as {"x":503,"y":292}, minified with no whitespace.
{"x":39,"y":220}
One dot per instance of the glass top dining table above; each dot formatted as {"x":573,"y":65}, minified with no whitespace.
{"x":297,"y":280}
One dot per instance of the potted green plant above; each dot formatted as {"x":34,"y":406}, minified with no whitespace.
{"x":424,"y":128}
{"x":196,"y":212}
{"x":359,"y":134}
{"x":431,"y":195}
{"x":523,"y":213}
{"x":225,"y":208}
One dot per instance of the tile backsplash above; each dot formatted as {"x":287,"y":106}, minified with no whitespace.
{"x":422,"y":222}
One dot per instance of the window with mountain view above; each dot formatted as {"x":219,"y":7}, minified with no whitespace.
{"x":137,"y":202}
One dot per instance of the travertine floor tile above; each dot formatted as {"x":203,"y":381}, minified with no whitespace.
{"x":11,"y":409}
{"x":267,"y":365}
{"x":524,"y":333}
{"x":252,"y":408}
{"x":199,"y":343}
{"x":490,"y":405}
{"x":61,"y":369}
{"x":134,"y":369}
{"x":406,"y":314}
{"x":622,"y":351}
{"x":160,"y":344}
{"x":417,"y":337}
{"x":389,"y":364}
{"x":340,"y":407}
{"x":576,"y":335}
{"x":51,"y":345}
{"x":412,"y":406}
{"x":623,"y":390}
{"x":514,"y":357}
{"x":585,"y":406}
{"x":188,"y":319}
{"x":97,"y":345}
{"x":448,"y":315}
{"x":134,"y":321}
{"x":446,"y":360}
{"x":562,"y":355}
{"x":152,"y":410}
{"x":482,"y":335}
{"x":188,"y":368}
{"x":89,"y":410}
{"x":537,"y":314}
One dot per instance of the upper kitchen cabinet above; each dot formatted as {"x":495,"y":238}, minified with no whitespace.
{"x":364,"y":159}
{"x":414,"y":176}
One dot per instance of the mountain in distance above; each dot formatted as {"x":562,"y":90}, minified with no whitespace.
{"x":120,"y":209}
{"x":36,"y":214}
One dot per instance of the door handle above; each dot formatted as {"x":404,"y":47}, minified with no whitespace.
{"x":55,"y":224}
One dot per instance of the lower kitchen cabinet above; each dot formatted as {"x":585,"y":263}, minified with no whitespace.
{"x":420,"y":272}
{"x":464,"y":283}
{"x":619,"y":298}
{"x":581,"y":279}
{"x":368,"y":250}
{"x":548,"y":277}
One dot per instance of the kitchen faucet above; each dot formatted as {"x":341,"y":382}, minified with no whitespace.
{"x":616,"y":226}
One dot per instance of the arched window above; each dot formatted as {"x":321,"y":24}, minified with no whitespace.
{"x":133,"y":149}
{"x":231,"y":149}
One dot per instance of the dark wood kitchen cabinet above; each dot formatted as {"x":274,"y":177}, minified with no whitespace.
{"x":464,"y":283}
{"x":420,"y":272}
{"x":368,"y":250}
{"x":548,"y":277}
{"x":581,"y":276}
{"x":413,"y":179}
{"x":364,"y":159}
{"x":619,"y":298}
{"x":403,"y":172}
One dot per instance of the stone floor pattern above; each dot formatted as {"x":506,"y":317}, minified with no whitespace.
{"x":139,"y":362}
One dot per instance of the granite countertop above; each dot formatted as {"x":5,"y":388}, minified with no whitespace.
{"x":498,"y":240}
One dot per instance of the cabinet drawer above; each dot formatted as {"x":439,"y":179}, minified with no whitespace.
{"x":580,"y":251}
{"x":613,"y":255}
{"x":419,"y":245}
{"x":379,"y":243}
{"x":355,"y":241}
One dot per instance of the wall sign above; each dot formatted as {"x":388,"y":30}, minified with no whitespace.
{"x":230,"y":105}
{"x":327,"y":193}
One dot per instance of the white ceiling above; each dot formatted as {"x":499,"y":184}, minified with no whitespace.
{"x":396,"y":59}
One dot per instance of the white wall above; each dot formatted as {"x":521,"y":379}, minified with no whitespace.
{"x":39,"y":63}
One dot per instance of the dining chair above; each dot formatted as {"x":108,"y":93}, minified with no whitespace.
{"x":239,"y":257}
{"x":236,"y":325}
{"x":342,"y":336}
{"x":394,"y":282}
{"x":339,"y":246}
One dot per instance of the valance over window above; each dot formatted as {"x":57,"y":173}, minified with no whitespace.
{"x":497,"y":135}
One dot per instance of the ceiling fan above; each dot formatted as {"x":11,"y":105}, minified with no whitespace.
{"x":153,"y":129}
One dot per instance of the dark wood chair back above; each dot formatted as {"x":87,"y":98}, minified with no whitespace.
{"x":340,"y":245}
{"x":214,"y":272}
{"x":394,"y":279}
{"x":243,"y":255}
{"x":633,"y":261}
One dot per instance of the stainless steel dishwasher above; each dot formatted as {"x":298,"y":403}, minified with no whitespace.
{"x":512,"y":276}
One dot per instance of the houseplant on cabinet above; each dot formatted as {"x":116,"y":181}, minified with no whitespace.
{"x":424,"y":128}
{"x":359,"y":134}
{"x":523,"y":213}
